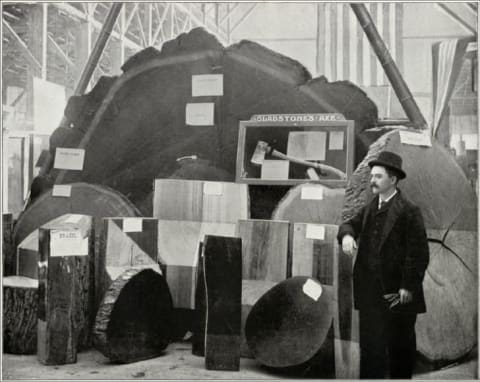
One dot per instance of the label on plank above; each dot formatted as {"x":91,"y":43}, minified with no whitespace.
{"x":335,"y":141}
{"x":275,"y":169}
{"x":312,"y":289}
{"x":74,"y":218}
{"x":69,"y":159}
{"x":199,"y":114}
{"x":68,"y":243}
{"x":62,"y":190}
{"x":312,"y":193}
{"x":207,"y":85}
{"x":315,"y":231}
{"x":213,"y":188}
{"x":132,"y":225}
{"x":416,"y":139}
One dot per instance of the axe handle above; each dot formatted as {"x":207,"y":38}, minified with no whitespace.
{"x":321,"y":167}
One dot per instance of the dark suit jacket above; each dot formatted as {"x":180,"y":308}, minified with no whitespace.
{"x":403,"y":253}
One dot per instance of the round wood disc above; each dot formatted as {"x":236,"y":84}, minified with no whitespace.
{"x":288,"y":325}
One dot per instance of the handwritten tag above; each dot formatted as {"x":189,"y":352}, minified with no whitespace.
{"x":315,"y":231}
{"x":416,"y":139}
{"x":312,"y":289}
{"x":199,"y":114}
{"x":207,"y":85}
{"x":312,"y":193}
{"x":69,"y":159}
{"x":68,"y":243}
{"x":62,"y":190}
{"x":132,"y":225}
{"x":213,"y":188}
{"x":336,"y":140}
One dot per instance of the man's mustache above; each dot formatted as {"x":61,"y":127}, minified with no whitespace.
{"x":373,"y":185}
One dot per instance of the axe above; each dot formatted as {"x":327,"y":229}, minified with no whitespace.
{"x":264,"y":148}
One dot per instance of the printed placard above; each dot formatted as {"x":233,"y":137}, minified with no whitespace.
{"x":312,"y":289}
{"x":213,"y":188}
{"x":69,"y":159}
{"x":68,"y":243}
{"x":335,"y":141}
{"x":416,"y":139}
{"x":62,"y":190}
{"x":275,"y":169}
{"x":315,"y":231}
{"x":207,"y":85}
{"x":312,"y":193}
{"x":199,"y":114}
{"x":132,"y":225}
{"x":308,"y":145}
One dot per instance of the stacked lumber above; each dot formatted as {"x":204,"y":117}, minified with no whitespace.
{"x":8,"y":255}
{"x":134,"y":320}
{"x":288,"y":327}
{"x":65,"y":297}
{"x":143,"y":111}
{"x":438,"y":186}
{"x":20,"y":303}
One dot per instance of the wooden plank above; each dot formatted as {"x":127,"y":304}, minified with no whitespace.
{"x":134,"y":320}
{"x":195,"y":200}
{"x":223,"y":284}
{"x":178,"y":251}
{"x":20,"y":303}
{"x":8,"y":256}
{"x":65,"y":297}
{"x":122,"y":250}
{"x":264,"y":249}
{"x":27,"y":256}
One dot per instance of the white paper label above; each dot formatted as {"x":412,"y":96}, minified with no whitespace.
{"x":69,"y":159}
{"x":207,"y":85}
{"x":62,"y":190}
{"x":312,"y":193}
{"x":312,"y":289}
{"x":308,"y":145}
{"x":275,"y":169}
{"x":336,"y":140}
{"x":213,"y":188}
{"x":74,"y":218}
{"x":132,"y":225}
{"x":68,"y":243}
{"x":416,"y":139}
{"x":199,"y":114}
{"x":315,"y":231}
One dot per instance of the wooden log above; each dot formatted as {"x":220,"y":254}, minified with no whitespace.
{"x":193,"y":200}
{"x":20,"y":303}
{"x":288,"y":326}
{"x":8,"y":252}
{"x":144,"y":110}
{"x":223,"y":285}
{"x":311,"y":203}
{"x":451,"y":286}
{"x":125,"y":243}
{"x":252,"y":291}
{"x":134,"y":320}
{"x":64,"y":294}
{"x":264,"y":249}
{"x":446,"y":206}
{"x":88,"y":199}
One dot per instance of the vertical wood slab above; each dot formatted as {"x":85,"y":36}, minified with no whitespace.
{"x":8,"y":255}
{"x":134,"y":320}
{"x":198,"y":338}
{"x":196,"y":200}
{"x":126,"y":243}
{"x":27,"y":256}
{"x":20,"y":303}
{"x":65,"y":298}
{"x":264,"y":249}
{"x":223,"y":288}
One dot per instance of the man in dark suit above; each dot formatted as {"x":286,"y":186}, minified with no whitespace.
{"x":387,"y":278}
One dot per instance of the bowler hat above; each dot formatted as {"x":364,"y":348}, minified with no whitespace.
{"x":391,"y":161}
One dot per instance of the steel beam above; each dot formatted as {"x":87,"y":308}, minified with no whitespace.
{"x":457,"y":18}
{"x":60,"y":51}
{"x":23,"y":47}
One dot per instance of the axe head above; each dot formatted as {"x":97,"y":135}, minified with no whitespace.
{"x":259,"y":154}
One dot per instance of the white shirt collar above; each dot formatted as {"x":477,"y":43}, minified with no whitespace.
{"x":386,"y":200}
